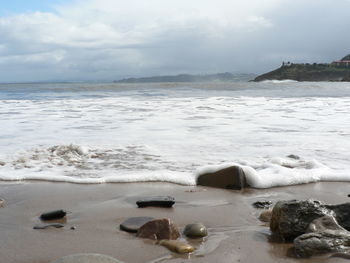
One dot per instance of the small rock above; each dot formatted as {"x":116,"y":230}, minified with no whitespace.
{"x":44,"y":226}
{"x":2,"y":203}
{"x":73,"y":228}
{"x":262,"y":204}
{"x":265,"y":216}
{"x":325,"y":236}
{"x":293,"y":156}
{"x":2,"y":163}
{"x":229,"y":178}
{"x":157,"y":201}
{"x":159,"y":229}
{"x":177,"y":246}
{"x":133,"y":224}
{"x":57,"y":214}
{"x":195,"y":230}
{"x":87,"y":258}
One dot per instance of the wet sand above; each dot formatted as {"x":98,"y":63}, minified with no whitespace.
{"x":235,"y":233}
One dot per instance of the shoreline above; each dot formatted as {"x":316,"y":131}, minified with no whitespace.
{"x":97,"y":211}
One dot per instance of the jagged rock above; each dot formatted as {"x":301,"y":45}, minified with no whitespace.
{"x":133,"y":224}
{"x":291,"y":218}
{"x":159,"y":229}
{"x":195,"y":230}
{"x":229,"y":178}
{"x":342,"y":214}
{"x":177,"y":246}
{"x":87,"y":258}
{"x":262,"y":204}
{"x":265,"y":216}
{"x":324,"y":235}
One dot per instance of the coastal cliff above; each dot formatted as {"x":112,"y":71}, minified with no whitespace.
{"x":335,"y":71}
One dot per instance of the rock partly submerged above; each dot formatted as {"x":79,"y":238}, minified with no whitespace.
{"x":44,"y":226}
{"x":232,"y":177}
{"x":87,"y":258}
{"x":159,"y":229}
{"x":324,"y":235}
{"x":195,"y":230}
{"x":133,"y":224}
{"x":156,"y":201}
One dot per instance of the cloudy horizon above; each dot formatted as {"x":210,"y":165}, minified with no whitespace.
{"x":111,"y":39}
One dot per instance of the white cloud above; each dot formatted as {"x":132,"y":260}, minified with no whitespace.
{"x":114,"y":38}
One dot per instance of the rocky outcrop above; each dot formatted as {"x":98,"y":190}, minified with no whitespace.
{"x":325,"y":235}
{"x":291,"y":218}
{"x":229,"y":178}
{"x":159,"y":229}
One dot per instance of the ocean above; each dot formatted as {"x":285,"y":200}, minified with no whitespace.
{"x":279,"y":132}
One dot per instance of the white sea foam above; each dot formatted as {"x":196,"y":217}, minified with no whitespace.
{"x":166,"y":133}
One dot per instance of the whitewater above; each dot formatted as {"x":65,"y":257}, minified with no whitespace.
{"x":280,"y":133}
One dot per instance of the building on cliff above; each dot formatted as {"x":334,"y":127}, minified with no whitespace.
{"x":344,"y":62}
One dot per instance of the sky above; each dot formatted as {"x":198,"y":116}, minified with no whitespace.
{"x":63,"y":40}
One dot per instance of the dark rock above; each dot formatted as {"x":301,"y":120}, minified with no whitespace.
{"x":87,"y":258}
{"x":196,"y":230}
{"x":158,"y":201}
{"x":44,"y":226}
{"x":73,"y":228}
{"x":325,"y":236}
{"x":342,"y":214}
{"x":262,"y":204}
{"x":291,"y":218}
{"x":57,"y":214}
{"x":133,"y":224}
{"x":293,"y":156}
{"x":159,"y":229}
{"x":229,"y":178}
{"x":177,"y":246}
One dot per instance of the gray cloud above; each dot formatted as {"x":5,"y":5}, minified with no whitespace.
{"x":105,"y":39}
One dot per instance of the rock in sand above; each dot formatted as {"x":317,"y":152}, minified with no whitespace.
{"x":262,"y":204}
{"x":159,"y":229}
{"x":196,"y":230}
{"x":157,"y":201}
{"x":229,"y":178}
{"x":133,"y":224}
{"x":57,"y":214}
{"x":265,"y":216}
{"x":177,"y":246}
{"x":44,"y":226}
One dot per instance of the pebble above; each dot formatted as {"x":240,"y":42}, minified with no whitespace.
{"x":177,"y":246}
{"x":87,"y":258}
{"x":158,"y":201}
{"x":2,"y":203}
{"x":57,"y":214}
{"x":133,"y":224}
{"x":159,"y":229}
{"x":196,"y":230}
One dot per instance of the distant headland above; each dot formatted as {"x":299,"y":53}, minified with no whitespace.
{"x":219,"y":77}
{"x":336,"y":71}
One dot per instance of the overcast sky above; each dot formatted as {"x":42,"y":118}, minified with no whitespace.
{"x":111,"y":39}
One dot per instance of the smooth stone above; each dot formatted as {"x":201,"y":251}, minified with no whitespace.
{"x":52,"y":215}
{"x":265,"y":216}
{"x":195,"y":230}
{"x":177,"y":246}
{"x":2,"y":203}
{"x":159,"y":229}
{"x":87,"y":258}
{"x":262,"y":204}
{"x":325,"y":236}
{"x":133,"y":224}
{"x":158,"y":201}
{"x":44,"y":226}
{"x":229,"y":178}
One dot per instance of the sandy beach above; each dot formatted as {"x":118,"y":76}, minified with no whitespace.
{"x":235,"y":233}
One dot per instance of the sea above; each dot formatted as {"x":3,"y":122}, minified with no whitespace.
{"x":280,"y":132}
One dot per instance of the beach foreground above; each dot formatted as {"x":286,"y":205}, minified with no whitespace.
{"x":235,"y":233}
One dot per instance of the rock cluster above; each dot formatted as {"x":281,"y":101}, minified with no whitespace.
{"x":315,"y":227}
